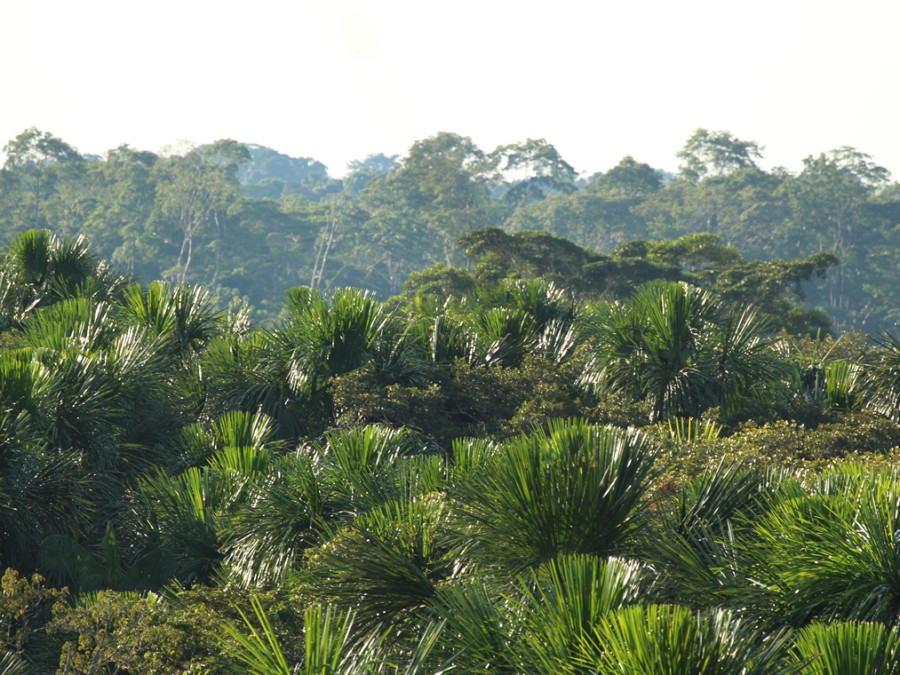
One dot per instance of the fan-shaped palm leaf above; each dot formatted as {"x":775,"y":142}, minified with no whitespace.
{"x":848,"y":648}
{"x":883,"y":377}
{"x":387,"y":563}
{"x":670,"y":345}
{"x":372,"y":464}
{"x":181,"y":316}
{"x":576,"y":489}
{"x":564,"y":600}
{"x":186,"y":516}
{"x":504,"y":336}
{"x":260,"y":653}
{"x":668,"y":639}
{"x":834,"y":553}
{"x":291,"y":508}
{"x":480,"y":628}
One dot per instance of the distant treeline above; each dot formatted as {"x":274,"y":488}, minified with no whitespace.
{"x":248,"y":223}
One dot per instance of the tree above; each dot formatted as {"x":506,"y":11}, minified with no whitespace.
{"x":195,"y":190}
{"x":586,"y":218}
{"x":526,"y":255}
{"x":629,"y":179}
{"x":681,"y":350}
{"x":830,"y":553}
{"x":36,"y":163}
{"x":40,"y":269}
{"x":574,"y":489}
{"x":830,"y":212}
{"x":120,"y":223}
{"x":34,"y":147}
{"x":442,"y":183}
{"x":362,"y":172}
{"x":531,"y":171}
{"x":716,"y":153}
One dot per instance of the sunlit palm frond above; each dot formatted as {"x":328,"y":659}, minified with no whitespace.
{"x":386,"y":564}
{"x":182,"y":317}
{"x":882,"y":381}
{"x":848,"y":648}
{"x":480,"y":628}
{"x":574,"y":489}
{"x":665,"y":639}
{"x":292,"y":507}
{"x":258,"y":649}
{"x":563,"y":601}
{"x":834,"y":554}
{"x":372,"y":465}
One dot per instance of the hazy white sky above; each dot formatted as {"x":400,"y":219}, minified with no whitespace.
{"x":337,"y":80}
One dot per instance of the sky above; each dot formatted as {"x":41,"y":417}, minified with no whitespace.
{"x":337,"y":80}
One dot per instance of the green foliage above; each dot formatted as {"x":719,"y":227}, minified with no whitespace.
{"x":671,"y":639}
{"x":260,"y":652}
{"x":883,"y":377}
{"x":565,"y":599}
{"x":715,"y":153}
{"x":675,"y":346}
{"x":386,"y":564}
{"x":469,"y":400}
{"x":181,"y":316}
{"x":396,"y":472}
{"x":25,"y":607}
{"x":290,"y":508}
{"x":124,"y":632}
{"x":181,"y":631}
{"x":832,"y":554}
{"x":848,"y":648}
{"x":575,"y":488}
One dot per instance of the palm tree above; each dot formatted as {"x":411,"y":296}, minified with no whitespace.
{"x":43,"y":491}
{"x":481,"y":629}
{"x":286,"y":372}
{"x":387,"y":563}
{"x":290,"y":511}
{"x":40,"y":268}
{"x":562,"y":602}
{"x":336,"y":336}
{"x":181,"y":316}
{"x":189,"y":515}
{"x":374,"y":465}
{"x":331,"y":646}
{"x":832,"y":553}
{"x":251,"y":373}
{"x":110,"y":397}
{"x":576,"y":488}
{"x":676,"y":347}
{"x":698,"y":538}
{"x":883,"y":379}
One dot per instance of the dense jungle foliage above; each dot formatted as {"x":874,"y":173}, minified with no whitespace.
{"x":638,"y":453}
{"x":247,"y":223}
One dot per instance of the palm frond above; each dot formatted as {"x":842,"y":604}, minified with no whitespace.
{"x":664,"y":639}
{"x":386,"y":563}
{"x":564,"y":600}
{"x":848,"y":648}
{"x":574,"y":489}
{"x":259,"y":651}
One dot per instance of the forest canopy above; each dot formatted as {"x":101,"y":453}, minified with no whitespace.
{"x":247,"y":223}
{"x":459,"y":410}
